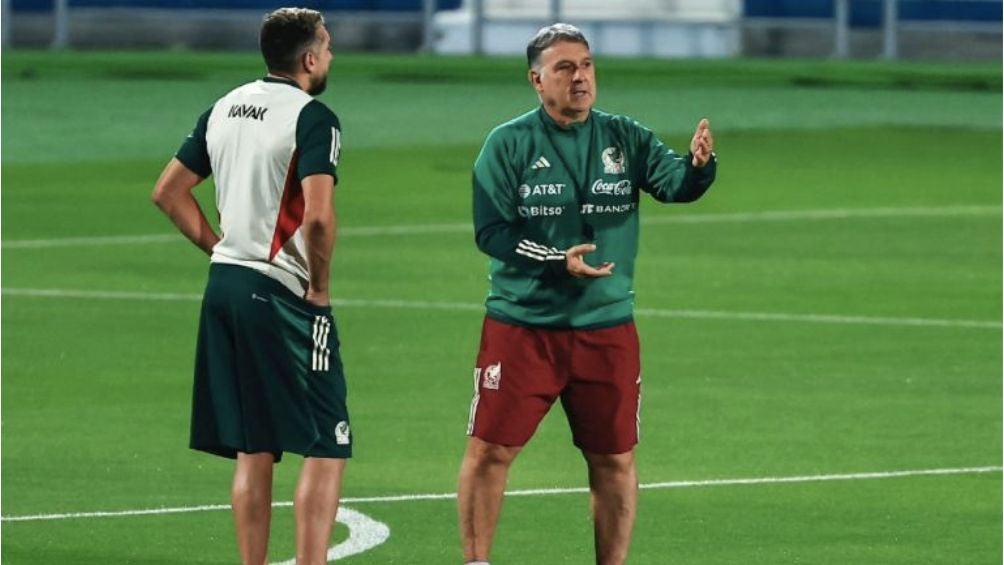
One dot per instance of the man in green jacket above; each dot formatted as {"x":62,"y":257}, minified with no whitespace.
{"x":552,"y":187}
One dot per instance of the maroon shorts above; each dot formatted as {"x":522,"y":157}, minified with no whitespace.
{"x":521,"y":371}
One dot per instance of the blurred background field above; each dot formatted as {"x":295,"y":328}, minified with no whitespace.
{"x":831,"y":307}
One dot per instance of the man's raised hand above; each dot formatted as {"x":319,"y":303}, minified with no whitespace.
{"x":577,"y":266}
{"x":702,"y":144}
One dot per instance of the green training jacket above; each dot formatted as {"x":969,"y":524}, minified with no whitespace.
{"x":540,"y":188}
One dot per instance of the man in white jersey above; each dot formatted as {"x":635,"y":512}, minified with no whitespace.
{"x":268,"y":377}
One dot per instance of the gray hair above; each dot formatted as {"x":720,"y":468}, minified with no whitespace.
{"x":548,"y":36}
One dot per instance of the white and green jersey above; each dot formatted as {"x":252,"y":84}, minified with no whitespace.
{"x":259,"y":141}
{"x":540,"y":188}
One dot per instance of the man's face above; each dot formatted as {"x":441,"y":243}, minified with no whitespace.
{"x":322,"y":61}
{"x":565,"y":79}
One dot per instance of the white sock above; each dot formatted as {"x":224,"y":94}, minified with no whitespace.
{"x":477,"y":563}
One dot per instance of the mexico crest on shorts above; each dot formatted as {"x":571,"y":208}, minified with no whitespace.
{"x":342,"y":433}
{"x":613,"y":161}
{"x":493,"y":376}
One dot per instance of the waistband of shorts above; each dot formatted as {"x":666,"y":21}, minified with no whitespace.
{"x":503,"y":319}
{"x":278,"y":289}
{"x":288,"y":280}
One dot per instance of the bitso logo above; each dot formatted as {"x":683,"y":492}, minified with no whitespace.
{"x":534,"y":211}
{"x":493,"y":376}
{"x":613,"y":161}
{"x":342,"y":433}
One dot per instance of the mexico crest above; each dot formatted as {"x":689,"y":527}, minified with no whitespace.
{"x":613,"y":161}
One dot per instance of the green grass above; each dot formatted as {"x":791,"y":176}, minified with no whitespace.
{"x":96,"y":391}
{"x":93,"y":107}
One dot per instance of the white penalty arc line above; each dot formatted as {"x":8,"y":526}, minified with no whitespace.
{"x":365,"y":533}
{"x":419,"y":229}
{"x":471,"y":307}
{"x":538,"y":492}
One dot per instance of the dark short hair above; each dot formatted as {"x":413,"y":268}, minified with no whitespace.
{"x":286,"y":34}
{"x":548,"y":36}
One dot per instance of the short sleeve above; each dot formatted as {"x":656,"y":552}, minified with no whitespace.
{"x":193,"y":152}
{"x":318,"y":140}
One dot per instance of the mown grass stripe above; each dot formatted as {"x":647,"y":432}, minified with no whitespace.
{"x":473,"y":307}
{"x":462,"y":227}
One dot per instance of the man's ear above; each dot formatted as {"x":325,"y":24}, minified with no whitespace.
{"x":309,"y":61}
{"x":534,"y":78}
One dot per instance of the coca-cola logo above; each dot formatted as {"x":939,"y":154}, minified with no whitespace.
{"x":618,"y":188}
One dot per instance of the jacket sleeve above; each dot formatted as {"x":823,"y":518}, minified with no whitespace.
{"x":499,"y":229}
{"x":670,"y":177}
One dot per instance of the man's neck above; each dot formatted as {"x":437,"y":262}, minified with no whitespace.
{"x":299,"y":81}
{"x":566,"y":120}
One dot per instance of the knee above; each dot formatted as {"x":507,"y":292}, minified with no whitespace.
{"x":244,"y":487}
{"x":252,"y":482}
{"x":484,"y":455}
{"x":620,"y":465}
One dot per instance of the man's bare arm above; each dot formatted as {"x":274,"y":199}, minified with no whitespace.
{"x":318,"y":234}
{"x":173,"y":195}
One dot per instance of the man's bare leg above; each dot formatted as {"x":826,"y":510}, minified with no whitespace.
{"x":251,"y":498}
{"x":315,"y":506}
{"x":613,"y":482}
{"x":479,"y":494}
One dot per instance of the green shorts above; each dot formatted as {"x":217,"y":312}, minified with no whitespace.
{"x":268,"y":377}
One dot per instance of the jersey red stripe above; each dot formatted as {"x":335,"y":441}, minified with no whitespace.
{"x":290,"y":208}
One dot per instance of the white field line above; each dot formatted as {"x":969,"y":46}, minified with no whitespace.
{"x":85,"y":241}
{"x":472,"y":307}
{"x":817,"y":318}
{"x":826,"y":214}
{"x":365,"y":533}
{"x":419,"y":229}
{"x":535,"y":492}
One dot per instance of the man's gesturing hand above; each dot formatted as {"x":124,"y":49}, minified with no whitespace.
{"x":702,"y":144}
{"x":577,"y":266}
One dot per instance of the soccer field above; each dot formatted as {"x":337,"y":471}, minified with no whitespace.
{"x":821,"y":333}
